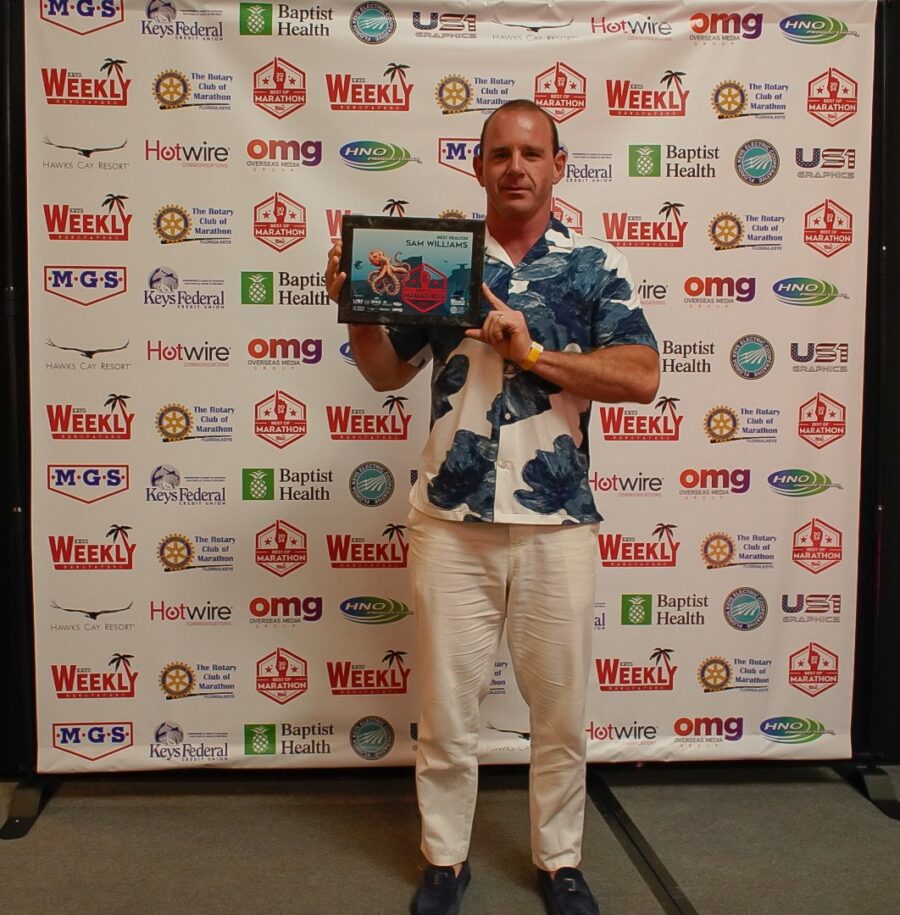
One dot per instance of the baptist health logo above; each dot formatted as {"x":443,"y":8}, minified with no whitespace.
{"x":256,"y":19}
{"x":644,"y":161}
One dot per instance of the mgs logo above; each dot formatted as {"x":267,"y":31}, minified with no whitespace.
{"x":85,"y":285}
{"x":561,"y":91}
{"x":93,"y":740}
{"x":279,"y":88}
{"x":279,"y":222}
{"x":87,"y":483}
{"x":458,"y":152}
{"x":832,"y":97}
{"x":83,"y":16}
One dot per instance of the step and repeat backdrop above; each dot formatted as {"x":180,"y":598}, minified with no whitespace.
{"x":219,"y":499}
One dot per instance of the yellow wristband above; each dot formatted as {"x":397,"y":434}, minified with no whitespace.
{"x":531,"y":359}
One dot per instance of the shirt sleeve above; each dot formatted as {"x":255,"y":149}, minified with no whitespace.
{"x":411,"y":343}
{"x":617,"y":315}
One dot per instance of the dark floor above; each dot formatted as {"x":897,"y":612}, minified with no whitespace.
{"x":719,"y":841}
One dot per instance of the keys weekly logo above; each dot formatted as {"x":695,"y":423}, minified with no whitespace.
{"x":77,"y":554}
{"x":69,"y":87}
{"x":616,"y":675}
{"x":68,"y":223}
{"x":348,"y":552}
{"x":347,"y":92}
{"x":70,"y":422}
{"x":628,"y":99}
{"x":617,"y":551}
{"x":349,"y":679}
{"x":351,"y":423}
{"x":634,"y":231}
{"x":620,"y":424}
{"x":73,"y":682}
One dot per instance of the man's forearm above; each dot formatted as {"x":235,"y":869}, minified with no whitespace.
{"x":376,"y":359}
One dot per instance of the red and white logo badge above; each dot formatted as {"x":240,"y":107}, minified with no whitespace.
{"x":832,"y":97}
{"x":823,"y":420}
{"x":73,"y":682}
{"x":281,"y":676}
{"x":65,"y":223}
{"x":628,"y":99}
{"x":570,"y":216}
{"x":457,"y":153}
{"x":817,"y":546}
{"x":621,"y":424}
{"x":83,"y":16}
{"x":813,"y":669}
{"x":66,"y":87}
{"x":348,"y":552}
{"x":87,"y":482}
{"x":617,"y":551}
{"x":85,"y":285}
{"x":616,"y":675}
{"x":828,"y":228}
{"x":346,"y":422}
{"x":279,"y":222}
{"x":70,"y":422}
{"x":279,"y":419}
{"x":281,"y":548}
{"x":347,"y":92}
{"x":628,"y":230}
{"x":425,"y":288}
{"x":560,"y":91}
{"x":93,"y":740}
{"x":348,"y":679}
{"x":279,"y":88}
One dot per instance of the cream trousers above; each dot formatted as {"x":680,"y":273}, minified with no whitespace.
{"x":468,"y":581}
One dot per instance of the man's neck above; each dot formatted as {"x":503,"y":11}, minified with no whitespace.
{"x":517,"y":238}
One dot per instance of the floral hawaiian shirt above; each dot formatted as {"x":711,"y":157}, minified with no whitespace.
{"x":506,"y":445}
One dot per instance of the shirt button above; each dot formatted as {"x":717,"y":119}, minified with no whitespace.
{"x":507,"y":415}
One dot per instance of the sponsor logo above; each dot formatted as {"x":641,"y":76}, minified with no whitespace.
{"x":295,"y":609}
{"x":73,"y":682}
{"x":347,"y":92}
{"x":372,"y":22}
{"x":561,"y":91}
{"x":84,"y":160}
{"x":262,"y":739}
{"x":279,"y":419}
{"x":85,"y":285}
{"x":645,"y":160}
{"x":829,"y":162}
{"x":817,"y":546}
{"x":811,"y":28}
{"x":589,"y":167}
{"x":169,"y":487}
{"x":335,"y":222}
{"x":745,"y":609}
{"x":822,"y":420}
{"x":456,"y":93}
{"x":797,"y":482}
{"x":458,"y":152}
{"x":294,"y":22}
{"x":623,"y":425}
{"x":372,"y":738}
{"x":175,"y":423}
{"x":93,"y":740}
{"x":637,"y":485}
{"x":348,"y":679}
{"x":754,"y":424}
{"x":374,"y":611}
{"x":205,"y":614}
{"x":189,"y":355}
{"x":162,"y":22}
{"x":752,"y":357}
{"x":670,"y":348}
{"x":820,"y":357}
{"x":65,"y":223}
{"x":179,"y":680}
{"x":637,"y":28}
{"x":348,"y":552}
{"x":633,"y":231}
{"x":617,"y":551}
{"x":813,"y":669}
{"x":351,"y":423}
{"x":178,"y":552}
{"x":731,"y":99}
{"x":717,"y":674}
{"x":719,"y":290}
{"x":671,"y":610}
{"x":637,"y":609}
{"x":280,"y":548}
{"x":83,"y":16}
{"x":752,"y":551}
{"x":725,"y":26}
{"x":628,"y":99}
{"x":279,"y":222}
{"x":259,"y":484}
{"x":279,"y":88}
{"x":173,"y":90}
{"x":274,"y":154}
{"x":87,"y":483}
{"x":616,"y":675}
{"x":634,"y":733}
{"x":375,"y":155}
{"x":192,"y":156}
{"x":811,"y":608}
{"x":792,"y":730}
{"x":371,"y":483}
{"x":92,"y":616}
{"x":280,"y":352}
{"x":804,"y":291}
{"x":76,"y":554}
{"x":708,"y":730}
{"x":762,"y":232}
{"x":828,"y":228}
{"x":164,"y":289}
{"x":444,"y":25}
{"x":756,"y":162}
{"x":68,"y":87}
{"x":170,"y":745}
{"x":832,"y":97}
{"x":281,"y":676}
{"x":174,"y":224}
{"x":711,"y":481}
{"x":568,"y":214}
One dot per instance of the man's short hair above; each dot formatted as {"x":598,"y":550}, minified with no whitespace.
{"x":525,"y":105}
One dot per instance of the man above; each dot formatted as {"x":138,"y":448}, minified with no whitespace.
{"x":508,"y":451}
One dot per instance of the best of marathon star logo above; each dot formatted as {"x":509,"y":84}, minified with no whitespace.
{"x":813,"y":669}
{"x":560,"y":91}
{"x":279,"y":88}
{"x":817,"y":546}
{"x":279,"y":222}
{"x":828,"y":228}
{"x":832,"y":97}
{"x":823,"y":420}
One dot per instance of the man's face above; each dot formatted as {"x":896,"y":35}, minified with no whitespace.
{"x":517,"y":167}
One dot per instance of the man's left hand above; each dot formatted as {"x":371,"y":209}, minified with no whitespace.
{"x":504,"y":329}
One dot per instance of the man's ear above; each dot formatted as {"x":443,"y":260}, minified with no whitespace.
{"x":478,"y":166}
{"x":559,"y":165}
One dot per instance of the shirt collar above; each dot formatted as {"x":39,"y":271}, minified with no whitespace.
{"x":556,"y":236}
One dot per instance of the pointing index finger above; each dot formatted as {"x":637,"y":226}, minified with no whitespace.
{"x":495,"y":303}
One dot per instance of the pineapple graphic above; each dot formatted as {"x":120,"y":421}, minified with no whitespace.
{"x":636,"y":609}
{"x":259,"y":739}
{"x":645,"y":161}
{"x":256,"y":288}
{"x":256,"y":19}
{"x":259,"y":483}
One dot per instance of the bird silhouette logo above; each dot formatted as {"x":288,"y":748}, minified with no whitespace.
{"x":87,"y":151}
{"x":88,"y":353}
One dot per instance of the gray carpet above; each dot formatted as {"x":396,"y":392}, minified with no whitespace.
{"x":737,"y":840}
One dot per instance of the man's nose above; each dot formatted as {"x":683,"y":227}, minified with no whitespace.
{"x":515,"y":162}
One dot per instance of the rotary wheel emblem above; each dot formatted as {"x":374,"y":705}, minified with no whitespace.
{"x":725,"y":230}
{"x":177,"y":680}
{"x":174,"y":422}
{"x":720,"y":424}
{"x":172,"y":224}
{"x":453,"y":94}
{"x":171,"y":89}
{"x":717,"y":550}
{"x":175,"y":552}
{"x":729,"y":99}
{"x":714,"y":674}
{"x":451,"y":214}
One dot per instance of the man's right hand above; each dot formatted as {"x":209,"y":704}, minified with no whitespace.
{"x":334,"y":278}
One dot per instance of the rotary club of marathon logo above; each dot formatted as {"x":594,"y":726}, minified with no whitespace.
{"x":279,"y":222}
{"x":732,"y":99}
{"x":279,"y":419}
{"x":180,"y":553}
{"x":281,"y":548}
{"x":174,"y":224}
{"x":175,"y":422}
{"x":828,"y":228}
{"x":172,"y":90}
{"x":281,"y":676}
{"x":832,"y":97}
{"x":561,"y":91}
{"x":279,"y":88}
{"x":823,"y":420}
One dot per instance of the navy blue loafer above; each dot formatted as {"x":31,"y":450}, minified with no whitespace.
{"x":567,"y":893}
{"x":441,"y":891}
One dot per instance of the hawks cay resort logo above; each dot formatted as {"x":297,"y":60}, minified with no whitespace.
{"x":85,"y":284}
{"x":72,"y":681}
{"x":619,"y":675}
{"x":69,"y":553}
{"x":349,"y":679}
{"x":268,"y":287}
{"x":732,"y":99}
{"x":619,"y":551}
{"x":561,"y":91}
{"x":69,"y":422}
{"x":286,"y":20}
{"x":206,"y":552}
{"x":167,"y":289}
{"x":177,"y":19}
{"x":178,"y":422}
{"x":723,"y":423}
{"x":623,"y":424}
{"x":174,"y":224}
{"x":346,"y":551}
{"x":71,"y":87}
{"x":88,"y":483}
{"x":87,"y":363}
{"x":93,"y":740}
{"x":83,"y":16}
{"x":67,"y":223}
{"x":81,"y":158}
{"x":92,"y":614}
{"x":630,"y":99}
{"x":279,"y":88}
{"x":168,"y":486}
{"x":286,"y":484}
{"x":725,"y":27}
{"x":207,"y":91}
{"x":347,"y":92}
{"x":628,"y":230}
{"x":822,"y":420}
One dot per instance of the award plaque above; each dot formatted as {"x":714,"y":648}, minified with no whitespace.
{"x":411,"y":271}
